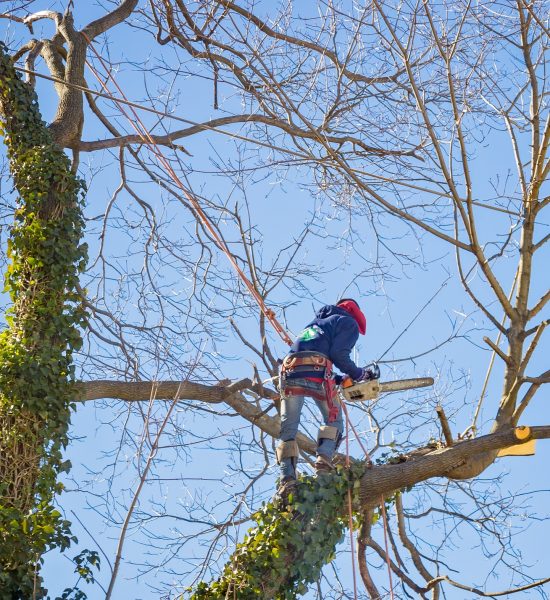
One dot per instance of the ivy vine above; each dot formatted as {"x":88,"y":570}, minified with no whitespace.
{"x":45,"y":257}
{"x":290,"y":544}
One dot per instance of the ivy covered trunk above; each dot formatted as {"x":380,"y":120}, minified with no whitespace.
{"x":45,"y":256}
{"x":291,"y":542}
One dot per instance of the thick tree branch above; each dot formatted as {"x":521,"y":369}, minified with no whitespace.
{"x":464,"y":460}
{"x":101,"y":25}
{"x":142,"y":391}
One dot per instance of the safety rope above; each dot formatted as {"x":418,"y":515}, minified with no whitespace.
{"x":144,"y":133}
{"x":350,"y":512}
{"x":382,"y":500}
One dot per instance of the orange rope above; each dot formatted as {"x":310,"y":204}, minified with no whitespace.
{"x":143,"y":132}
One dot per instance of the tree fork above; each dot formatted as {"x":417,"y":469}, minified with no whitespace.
{"x":288,"y":548}
{"x":291,"y":543}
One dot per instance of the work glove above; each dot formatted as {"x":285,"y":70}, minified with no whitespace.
{"x":370,"y":372}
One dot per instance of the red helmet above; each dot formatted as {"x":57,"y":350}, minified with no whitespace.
{"x":351,"y":306}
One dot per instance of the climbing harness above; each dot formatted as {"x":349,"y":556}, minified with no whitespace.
{"x":314,"y":360}
{"x":310,"y":366}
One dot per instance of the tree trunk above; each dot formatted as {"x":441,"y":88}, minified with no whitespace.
{"x":36,"y":372}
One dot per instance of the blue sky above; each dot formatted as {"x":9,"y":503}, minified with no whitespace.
{"x":280,"y":202}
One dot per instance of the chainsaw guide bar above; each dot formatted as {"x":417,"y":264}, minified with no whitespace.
{"x":369,"y":390}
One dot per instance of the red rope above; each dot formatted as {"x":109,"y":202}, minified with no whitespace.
{"x":382,"y":503}
{"x":143,"y":132}
{"x":350,"y":512}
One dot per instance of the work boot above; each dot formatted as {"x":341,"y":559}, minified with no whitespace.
{"x":323,"y":464}
{"x":286,"y":486}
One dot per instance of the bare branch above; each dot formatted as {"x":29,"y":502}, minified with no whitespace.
{"x":479,"y":592}
{"x":496,"y":349}
{"x":413,"y":551}
{"x":533,"y":388}
{"x":539,"y":305}
{"x":43,"y":14}
{"x":363,"y":538}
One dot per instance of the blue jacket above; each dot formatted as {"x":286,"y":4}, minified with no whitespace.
{"x":334,"y":333}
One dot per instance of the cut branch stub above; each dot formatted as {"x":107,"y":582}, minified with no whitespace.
{"x":444,"y":425}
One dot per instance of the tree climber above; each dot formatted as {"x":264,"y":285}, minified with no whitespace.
{"x":307,"y":371}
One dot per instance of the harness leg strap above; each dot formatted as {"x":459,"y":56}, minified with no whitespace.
{"x":287,"y":450}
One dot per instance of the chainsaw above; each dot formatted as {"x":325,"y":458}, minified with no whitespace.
{"x":369,"y":390}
